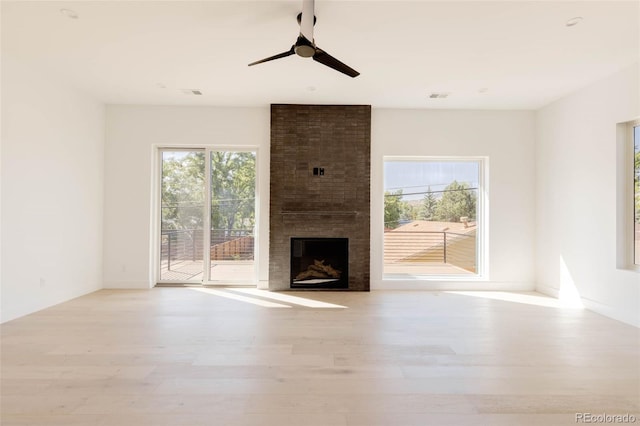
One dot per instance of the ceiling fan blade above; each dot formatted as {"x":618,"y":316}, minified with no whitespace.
{"x":308,"y":19}
{"x":328,"y":60}
{"x":278,"y":56}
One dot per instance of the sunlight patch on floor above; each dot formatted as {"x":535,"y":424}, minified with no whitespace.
{"x":239,"y":298}
{"x":267,"y":299}
{"x":531,"y":298}
{"x":287,"y":298}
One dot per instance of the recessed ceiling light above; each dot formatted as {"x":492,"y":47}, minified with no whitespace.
{"x":191,"y":92}
{"x":439,"y":95}
{"x":69,"y":13}
{"x":574,"y":21}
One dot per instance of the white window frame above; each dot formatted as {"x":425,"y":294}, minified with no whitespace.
{"x":482,"y":254}
{"x":625,"y":196}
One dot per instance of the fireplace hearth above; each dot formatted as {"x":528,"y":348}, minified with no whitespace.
{"x":320,"y":263}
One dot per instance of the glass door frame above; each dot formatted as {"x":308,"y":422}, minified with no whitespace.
{"x":156,"y":222}
{"x":207,"y":279}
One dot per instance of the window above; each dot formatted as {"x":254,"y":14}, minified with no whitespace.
{"x":628,"y":196}
{"x":433,"y":217}
{"x":635,"y":135}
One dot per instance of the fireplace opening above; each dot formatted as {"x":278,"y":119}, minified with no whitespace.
{"x":319,"y":263}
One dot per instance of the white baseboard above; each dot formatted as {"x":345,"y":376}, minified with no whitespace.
{"x":131,"y":285}
{"x":549,"y":291}
{"x":631,"y":318}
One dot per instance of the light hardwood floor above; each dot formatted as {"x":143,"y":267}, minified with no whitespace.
{"x":185,"y":356}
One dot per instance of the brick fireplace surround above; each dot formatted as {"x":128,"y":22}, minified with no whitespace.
{"x":335,"y":140}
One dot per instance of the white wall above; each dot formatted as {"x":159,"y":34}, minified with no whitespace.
{"x":507,"y":139}
{"x":576,"y":197}
{"x":52,"y":191}
{"x":132,"y":134}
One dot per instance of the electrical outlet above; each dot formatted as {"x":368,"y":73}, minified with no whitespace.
{"x":318,"y":171}
{"x":42,"y":282}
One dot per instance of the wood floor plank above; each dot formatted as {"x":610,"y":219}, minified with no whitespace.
{"x":179,"y":356}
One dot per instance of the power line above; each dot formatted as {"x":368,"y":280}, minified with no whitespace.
{"x":429,"y":192}
{"x":199,"y":203}
{"x":417,"y":186}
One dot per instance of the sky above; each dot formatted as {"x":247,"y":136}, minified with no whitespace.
{"x":417,"y":176}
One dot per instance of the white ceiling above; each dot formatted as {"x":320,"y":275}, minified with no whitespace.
{"x":497,"y":55}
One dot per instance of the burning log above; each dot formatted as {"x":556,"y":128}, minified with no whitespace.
{"x":319,"y":270}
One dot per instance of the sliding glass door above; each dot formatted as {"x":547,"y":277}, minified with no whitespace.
{"x":207,"y":216}
{"x":182,"y":215}
{"x":232,"y":215}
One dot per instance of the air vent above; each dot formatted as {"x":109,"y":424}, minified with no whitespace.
{"x":191,"y":92}
{"x":71,"y":14}
{"x":439,"y":95}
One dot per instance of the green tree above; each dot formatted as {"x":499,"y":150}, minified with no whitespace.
{"x":183,"y":191}
{"x":637,"y":180}
{"x":409,"y":211}
{"x":457,"y":201}
{"x":233,"y":190}
{"x":392,"y":208}
{"x":429,"y":205}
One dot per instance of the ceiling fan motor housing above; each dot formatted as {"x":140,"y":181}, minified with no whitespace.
{"x":304,"y":47}
{"x":299,"y":18}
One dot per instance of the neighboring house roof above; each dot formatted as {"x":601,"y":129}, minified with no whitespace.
{"x":432,"y":226}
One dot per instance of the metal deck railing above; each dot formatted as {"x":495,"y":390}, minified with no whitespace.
{"x":431,"y":247}
{"x":187,"y":245}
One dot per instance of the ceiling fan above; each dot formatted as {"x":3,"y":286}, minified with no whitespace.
{"x":305,"y":45}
